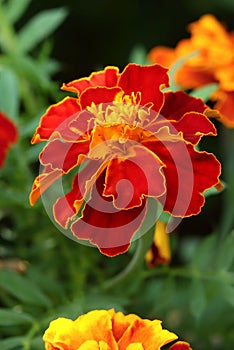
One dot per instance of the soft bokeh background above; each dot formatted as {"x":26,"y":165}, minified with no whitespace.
{"x":43,"y":274}
{"x":101,"y":32}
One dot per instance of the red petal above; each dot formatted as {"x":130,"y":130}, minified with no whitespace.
{"x":188,"y":174}
{"x":180,"y":345}
{"x":63,"y":155}
{"x":64,"y":209}
{"x":178,"y":103}
{"x":128,"y":181}
{"x":193,"y":126}
{"x":108,"y":78}
{"x":148,"y":80}
{"x":69,"y":205}
{"x":98,"y":95}
{"x":8,"y":131}
{"x":56,"y":119}
{"x":42,"y":182}
{"x":8,"y":136}
{"x":106,"y":227}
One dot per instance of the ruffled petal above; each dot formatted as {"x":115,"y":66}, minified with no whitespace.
{"x":148,"y":80}
{"x":108,"y":78}
{"x":188,"y":174}
{"x":138,"y":176}
{"x":66,"y":207}
{"x":105,"y":226}
{"x":56,"y":120}
{"x":96,"y":325}
{"x":61,"y":334}
{"x":121,"y":322}
{"x":63,"y":155}
{"x":42,"y":182}
{"x":193,"y":126}
{"x":149,"y":333}
{"x":178,"y":103}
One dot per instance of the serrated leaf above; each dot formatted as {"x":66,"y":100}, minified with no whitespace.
{"x":204,"y":92}
{"x":197,"y":298}
{"x":23,"y":289}
{"x":11,"y":318}
{"x":9,"y":93}
{"x":11,"y":343}
{"x":15,"y":9}
{"x":40,"y":27}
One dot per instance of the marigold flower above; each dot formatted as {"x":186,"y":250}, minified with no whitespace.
{"x":160,"y":251}
{"x":107,"y":329}
{"x":8,"y":136}
{"x":128,"y":141}
{"x":212,"y":62}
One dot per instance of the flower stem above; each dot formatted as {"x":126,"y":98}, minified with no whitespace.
{"x":135,"y":265}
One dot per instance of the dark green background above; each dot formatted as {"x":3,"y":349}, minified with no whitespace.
{"x":97,"y":33}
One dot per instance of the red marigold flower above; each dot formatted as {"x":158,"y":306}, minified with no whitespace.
{"x":127,"y":141}
{"x":107,"y":329}
{"x":212,"y":62}
{"x":8,"y":136}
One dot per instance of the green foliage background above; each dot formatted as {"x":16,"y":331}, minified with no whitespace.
{"x":43,"y":274}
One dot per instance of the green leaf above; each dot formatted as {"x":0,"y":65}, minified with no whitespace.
{"x":9,"y":93}
{"x":40,"y":27}
{"x":28,"y":69}
{"x":23,"y":289}
{"x":225,"y":256}
{"x":11,"y":318}
{"x":197,"y":298}
{"x":11,"y":343}
{"x":228,"y":293}
{"x":15,"y":9}
{"x":204,"y":92}
{"x":205,"y":254}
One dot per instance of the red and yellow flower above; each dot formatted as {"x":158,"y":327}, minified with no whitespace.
{"x":127,"y":140}
{"x":8,"y":136}
{"x":109,"y":330}
{"x":211,"y":51}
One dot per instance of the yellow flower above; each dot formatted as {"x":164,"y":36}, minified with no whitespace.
{"x":109,"y":330}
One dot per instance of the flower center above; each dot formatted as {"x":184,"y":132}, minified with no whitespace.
{"x":125,"y":109}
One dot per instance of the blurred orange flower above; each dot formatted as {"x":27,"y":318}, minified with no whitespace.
{"x":8,"y":136}
{"x":212,"y":62}
{"x":109,"y":330}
